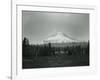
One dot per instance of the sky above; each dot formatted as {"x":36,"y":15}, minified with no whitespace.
{"x":36,"y":25}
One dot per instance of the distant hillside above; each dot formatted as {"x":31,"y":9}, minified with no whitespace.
{"x":69,"y":44}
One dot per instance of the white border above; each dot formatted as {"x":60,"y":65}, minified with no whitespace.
{"x":18,"y":73}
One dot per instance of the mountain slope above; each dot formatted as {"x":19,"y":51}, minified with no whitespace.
{"x":59,"y":37}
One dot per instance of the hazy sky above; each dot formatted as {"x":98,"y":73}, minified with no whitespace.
{"x":38,"y":25}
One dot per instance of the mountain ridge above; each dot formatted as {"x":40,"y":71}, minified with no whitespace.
{"x":59,"y":37}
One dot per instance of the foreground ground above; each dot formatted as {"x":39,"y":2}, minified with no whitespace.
{"x":55,"y":61}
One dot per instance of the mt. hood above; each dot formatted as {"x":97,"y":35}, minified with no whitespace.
{"x":59,"y":37}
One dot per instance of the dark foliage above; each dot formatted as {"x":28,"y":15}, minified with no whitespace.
{"x":30,"y":51}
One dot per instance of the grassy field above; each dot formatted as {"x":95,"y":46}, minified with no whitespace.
{"x":55,"y":61}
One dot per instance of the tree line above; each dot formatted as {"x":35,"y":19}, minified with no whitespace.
{"x":30,"y":51}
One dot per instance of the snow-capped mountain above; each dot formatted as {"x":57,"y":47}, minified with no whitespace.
{"x":59,"y":37}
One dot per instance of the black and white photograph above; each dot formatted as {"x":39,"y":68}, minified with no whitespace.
{"x":55,"y":39}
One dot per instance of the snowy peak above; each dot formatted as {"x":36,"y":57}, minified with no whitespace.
{"x":58,"y":37}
